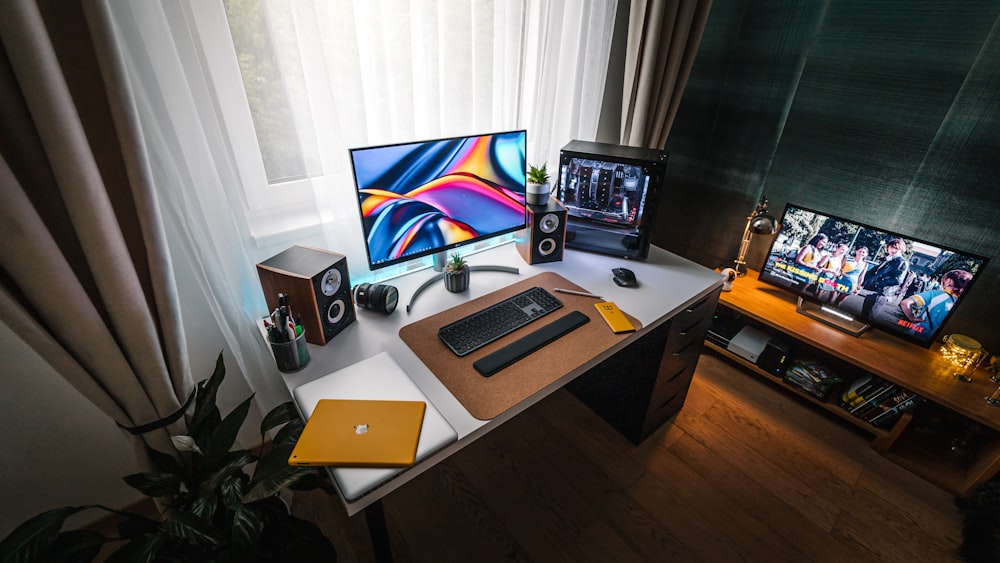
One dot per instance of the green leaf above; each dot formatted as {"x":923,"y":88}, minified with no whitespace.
{"x":294,"y":539}
{"x":289,"y":434}
{"x":188,"y":527}
{"x":232,"y":489}
{"x":143,"y":549}
{"x":165,"y":463}
{"x":30,"y":541}
{"x":275,"y":460}
{"x":155,"y":484}
{"x":75,"y":546}
{"x":314,"y":480}
{"x":225,"y":434}
{"x":285,"y":412}
{"x":245,"y":535}
{"x":135,"y":526}
{"x":272,"y":481}
{"x":205,"y":402}
{"x":205,"y":505}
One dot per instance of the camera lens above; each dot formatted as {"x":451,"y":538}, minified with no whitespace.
{"x":376,"y":297}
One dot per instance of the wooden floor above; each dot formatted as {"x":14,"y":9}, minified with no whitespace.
{"x":744,"y":472}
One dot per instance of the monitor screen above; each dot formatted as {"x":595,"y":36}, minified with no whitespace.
{"x":428,"y":197}
{"x":902,"y":285}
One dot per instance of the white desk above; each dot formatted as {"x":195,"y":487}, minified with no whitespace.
{"x":668,"y":284}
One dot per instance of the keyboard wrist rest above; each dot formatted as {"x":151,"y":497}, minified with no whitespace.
{"x":492,"y":363}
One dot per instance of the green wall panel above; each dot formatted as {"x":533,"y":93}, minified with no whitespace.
{"x":884,"y":112}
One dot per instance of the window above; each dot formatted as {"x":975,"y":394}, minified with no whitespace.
{"x":298,"y":82}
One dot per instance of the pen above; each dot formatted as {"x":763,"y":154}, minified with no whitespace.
{"x":583,"y":293}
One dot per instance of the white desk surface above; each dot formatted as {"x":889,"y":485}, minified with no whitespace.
{"x":667,"y":284}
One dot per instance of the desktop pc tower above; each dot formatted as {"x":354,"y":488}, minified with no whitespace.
{"x":611,"y":194}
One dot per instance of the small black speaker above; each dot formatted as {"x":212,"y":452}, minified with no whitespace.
{"x":544,"y":238}
{"x":318,"y":287}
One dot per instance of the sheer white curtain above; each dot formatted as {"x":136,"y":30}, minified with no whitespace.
{"x":356,"y":73}
{"x":385,"y":71}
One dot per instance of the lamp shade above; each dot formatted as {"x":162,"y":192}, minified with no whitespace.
{"x":763,"y":224}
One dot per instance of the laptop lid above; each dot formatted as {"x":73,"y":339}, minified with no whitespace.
{"x":376,"y":378}
{"x":359,"y":433}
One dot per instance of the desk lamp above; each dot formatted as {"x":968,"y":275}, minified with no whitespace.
{"x":758,"y":223}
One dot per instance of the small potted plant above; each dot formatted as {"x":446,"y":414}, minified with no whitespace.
{"x":537,"y":192}
{"x":456,"y":274}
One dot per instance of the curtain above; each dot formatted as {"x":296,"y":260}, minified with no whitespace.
{"x":85,"y":278}
{"x":436,"y":68}
{"x":568,"y":45}
{"x":663,"y":38}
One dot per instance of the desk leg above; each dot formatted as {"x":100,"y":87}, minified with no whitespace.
{"x":378,"y":532}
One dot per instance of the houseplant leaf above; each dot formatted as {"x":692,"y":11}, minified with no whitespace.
{"x":245,"y":534}
{"x":285,"y":412}
{"x":192,"y":529}
{"x":224,"y":435}
{"x":75,"y":546}
{"x":30,"y":541}
{"x":206,"y":413}
{"x":143,"y":549}
{"x":155,"y":485}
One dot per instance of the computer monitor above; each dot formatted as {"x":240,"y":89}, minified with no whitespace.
{"x":429,"y":197}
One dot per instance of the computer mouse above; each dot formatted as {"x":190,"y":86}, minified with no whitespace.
{"x":624,"y":277}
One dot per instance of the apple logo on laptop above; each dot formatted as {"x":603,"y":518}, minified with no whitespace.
{"x":361,"y":429}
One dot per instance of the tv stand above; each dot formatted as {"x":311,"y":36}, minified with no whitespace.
{"x":832,"y":317}
{"x":952,"y":440}
{"x":439,"y":277}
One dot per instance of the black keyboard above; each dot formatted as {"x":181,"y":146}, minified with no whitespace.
{"x":482,"y":327}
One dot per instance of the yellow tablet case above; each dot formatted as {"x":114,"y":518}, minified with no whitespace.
{"x":356,"y":433}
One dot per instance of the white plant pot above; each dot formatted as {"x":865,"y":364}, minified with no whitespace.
{"x":537,"y":194}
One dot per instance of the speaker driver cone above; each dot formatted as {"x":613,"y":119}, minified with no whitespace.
{"x":335,"y":311}
{"x":549,"y":223}
{"x":547,"y":246}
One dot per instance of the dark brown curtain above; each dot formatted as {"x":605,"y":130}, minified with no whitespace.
{"x":85,"y":280}
{"x":663,"y":38}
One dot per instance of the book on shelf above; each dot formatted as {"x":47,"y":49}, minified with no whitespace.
{"x":812,"y":377}
{"x":887,"y":402}
{"x":889,"y":417}
{"x":873,"y":398}
{"x":856,"y":390}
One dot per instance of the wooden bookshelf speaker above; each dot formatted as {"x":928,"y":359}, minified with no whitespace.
{"x":318,"y":287}
{"x":544,"y":238}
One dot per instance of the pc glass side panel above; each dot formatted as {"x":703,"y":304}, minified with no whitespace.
{"x":611,"y":194}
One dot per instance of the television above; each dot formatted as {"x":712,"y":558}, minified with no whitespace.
{"x":610,"y":193}
{"x":428,"y":197}
{"x":854,"y":276}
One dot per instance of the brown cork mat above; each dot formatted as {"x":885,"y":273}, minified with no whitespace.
{"x":487,"y":397}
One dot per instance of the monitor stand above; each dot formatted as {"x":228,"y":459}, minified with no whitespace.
{"x":440,"y":276}
{"x":831,"y":316}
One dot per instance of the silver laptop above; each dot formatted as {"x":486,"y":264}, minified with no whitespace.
{"x":378,"y":377}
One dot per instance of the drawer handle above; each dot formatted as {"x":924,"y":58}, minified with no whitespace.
{"x":686,"y":330}
{"x":672,"y":397}
{"x":696,"y":305}
{"x":674,"y":376}
{"x":685,"y":347}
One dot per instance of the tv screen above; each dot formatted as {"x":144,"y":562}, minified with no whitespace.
{"x":428,"y":197}
{"x":902,"y":285}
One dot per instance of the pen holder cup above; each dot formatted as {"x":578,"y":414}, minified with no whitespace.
{"x":292,"y":355}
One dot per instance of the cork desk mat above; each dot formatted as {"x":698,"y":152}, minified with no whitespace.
{"x":487,"y":397}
